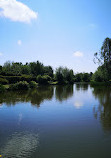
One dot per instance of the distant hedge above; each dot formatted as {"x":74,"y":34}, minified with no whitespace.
{"x":15,"y":79}
{"x":3,"y":81}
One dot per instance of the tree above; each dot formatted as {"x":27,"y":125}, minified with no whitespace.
{"x":104,"y":56}
{"x":78,"y":77}
{"x":36,"y":68}
{"x":64,"y":75}
{"x":59,"y":75}
{"x":26,"y":69}
{"x":48,"y":71}
{"x":86,"y":77}
{"x":6,"y":70}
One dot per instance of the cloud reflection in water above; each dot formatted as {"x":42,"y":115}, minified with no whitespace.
{"x":20,"y":145}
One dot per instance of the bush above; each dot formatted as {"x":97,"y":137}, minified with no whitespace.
{"x":33,"y":84}
{"x":97,"y":76}
{"x":27,"y":78}
{"x":2,"y":88}
{"x":43,"y":79}
{"x":15,"y":79}
{"x":12,"y":79}
{"x":22,"y":85}
{"x":101,"y":75}
{"x":3,"y":81}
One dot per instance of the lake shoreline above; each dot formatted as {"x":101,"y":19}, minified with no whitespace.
{"x":23,"y":85}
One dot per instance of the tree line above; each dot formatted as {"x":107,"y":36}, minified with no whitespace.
{"x":13,"y":72}
{"x":37,"y":72}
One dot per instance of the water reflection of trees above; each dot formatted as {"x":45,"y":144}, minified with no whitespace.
{"x":103,"y":110}
{"x":81,"y":87}
{"x":63,"y":92}
{"x":36,"y":96}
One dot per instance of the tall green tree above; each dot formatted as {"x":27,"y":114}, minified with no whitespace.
{"x":36,"y":68}
{"x":104,"y":55}
{"x":64,"y":75}
{"x":48,"y":71}
{"x":103,"y":58}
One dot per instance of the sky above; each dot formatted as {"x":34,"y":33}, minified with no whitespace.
{"x":57,"y":33}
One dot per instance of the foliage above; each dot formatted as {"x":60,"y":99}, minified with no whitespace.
{"x":3,"y":81}
{"x":22,"y":85}
{"x":53,"y":83}
{"x":19,"y":69}
{"x":26,"y":69}
{"x":48,"y":71}
{"x":103,"y":73}
{"x":36,"y":68}
{"x":104,"y":56}
{"x":27,"y":78}
{"x":33,"y":84}
{"x":15,"y":79}
{"x":83,"y":77}
{"x":78,"y":77}
{"x":64,"y":75}
{"x":15,"y":72}
{"x":2,"y":88}
{"x":43,"y":79}
{"x":11,"y":68}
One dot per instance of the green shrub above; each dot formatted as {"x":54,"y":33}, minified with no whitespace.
{"x":2,"y":88}
{"x":27,"y":78}
{"x":15,"y":79}
{"x":1,"y":76}
{"x":43,"y":79}
{"x":33,"y":84}
{"x":3,"y":81}
{"x":22,"y":85}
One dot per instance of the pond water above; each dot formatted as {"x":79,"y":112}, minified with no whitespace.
{"x":56,"y":122}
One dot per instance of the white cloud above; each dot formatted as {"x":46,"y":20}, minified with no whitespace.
{"x":19,"y":42}
{"x":78,"y":54}
{"x":16,"y":11}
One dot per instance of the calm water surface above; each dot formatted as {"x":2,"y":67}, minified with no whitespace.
{"x":56,"y":122}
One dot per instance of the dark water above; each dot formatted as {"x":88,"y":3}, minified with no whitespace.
{"x":56,"y":122}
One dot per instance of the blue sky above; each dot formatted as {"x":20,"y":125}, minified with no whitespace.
{"x":57,"y":33}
